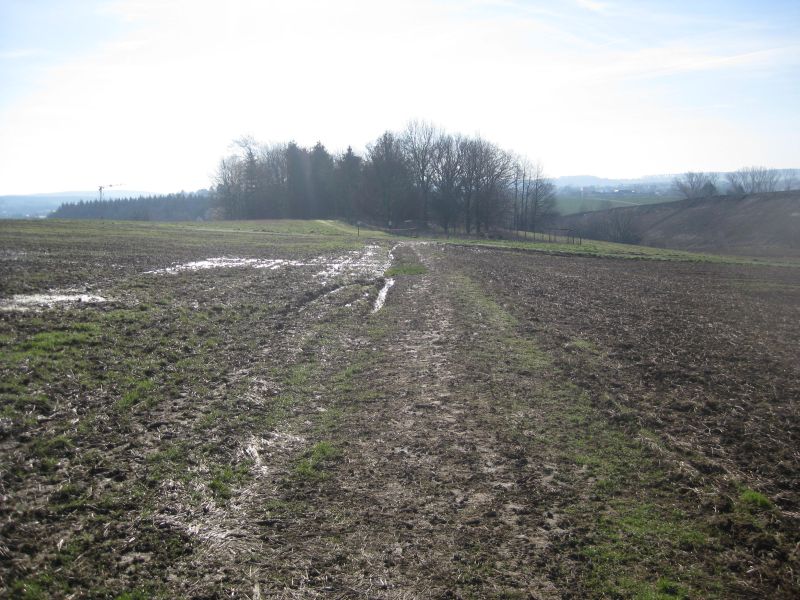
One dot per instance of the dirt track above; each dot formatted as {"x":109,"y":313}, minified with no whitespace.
{"x":434,"y":492}
{"x":507,"y":425}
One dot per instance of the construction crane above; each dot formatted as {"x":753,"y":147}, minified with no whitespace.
{"x":102,"y":187}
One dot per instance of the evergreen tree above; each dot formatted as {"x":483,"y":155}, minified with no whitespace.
{"x":298,"y":182}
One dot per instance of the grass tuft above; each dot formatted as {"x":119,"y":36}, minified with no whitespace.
{"x":754,"y":499}
{"x":309,"y":467}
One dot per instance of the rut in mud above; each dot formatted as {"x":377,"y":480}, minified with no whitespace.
{"x":504,"y":425}
{"x":435,"y":495}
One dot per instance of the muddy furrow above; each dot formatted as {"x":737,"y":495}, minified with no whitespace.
{"x":434,"y":498}
{"x":239,"y":546}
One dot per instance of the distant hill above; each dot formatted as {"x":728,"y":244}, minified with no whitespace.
{"x":32,"y":206}
{"x":765,"y":225}
{"x":584,"y":193}
{"x":594,"y":181}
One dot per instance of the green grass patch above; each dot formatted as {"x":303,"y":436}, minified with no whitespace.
{"x":311,"y":464}
{"x":170,"y":463}
{"x":69,"y":497}
{"x":134,"y":595}
{"x":582,"y":346}
{"x":142,"y":391}
{"x":49,"y":348}
{"x":614,"y":250}
{"x":224,"y":478}
{"x":54,"y":447}
{"x":39,"y":587}
{"x":754,"y":500}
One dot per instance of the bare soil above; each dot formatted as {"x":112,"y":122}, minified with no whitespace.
{"x":508,"y":424}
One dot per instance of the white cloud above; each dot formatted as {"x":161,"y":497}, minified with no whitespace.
{"x":157,"y":107}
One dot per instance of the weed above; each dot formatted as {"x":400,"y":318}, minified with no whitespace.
{"x":48,"y":464}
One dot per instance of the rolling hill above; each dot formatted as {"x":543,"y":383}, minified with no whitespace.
{"x":746,"y":225}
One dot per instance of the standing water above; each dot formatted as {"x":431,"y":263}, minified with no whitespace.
{"x":381,"y":299}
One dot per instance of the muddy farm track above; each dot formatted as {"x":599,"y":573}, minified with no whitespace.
{"x":232,"y":411}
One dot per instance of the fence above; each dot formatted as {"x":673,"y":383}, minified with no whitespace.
{"x":553,"y":236}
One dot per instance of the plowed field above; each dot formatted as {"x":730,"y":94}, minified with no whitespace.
{"x":223,"y":410}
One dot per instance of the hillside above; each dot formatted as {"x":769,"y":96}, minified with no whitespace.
{"x":750,"y":225}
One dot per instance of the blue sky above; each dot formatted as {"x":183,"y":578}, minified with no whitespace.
{"x":152,"y":92}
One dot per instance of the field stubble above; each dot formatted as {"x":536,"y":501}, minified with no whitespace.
{"x":507,"y":425}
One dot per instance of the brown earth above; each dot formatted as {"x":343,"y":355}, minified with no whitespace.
{"x":508,"y":425}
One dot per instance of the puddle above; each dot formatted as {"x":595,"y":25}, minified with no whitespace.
{"x":23,"y":302}
{"x":367,"y":261}
{"x":223,"y":262}
{"x":381,"y":299}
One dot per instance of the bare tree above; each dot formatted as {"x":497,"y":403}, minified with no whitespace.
{"x":521,"y":170}
{"x":273,"y":175}
{"x":419,"y":144}
{"x":620,"y":225}
{"x":790,"y":180}
{"x":228,"y":187}
{"x":754,"y":180}
{"x":488,"y":176}
{"x":696,"y":184}
{"x":448,"y":170}
{"x":541,"y":197}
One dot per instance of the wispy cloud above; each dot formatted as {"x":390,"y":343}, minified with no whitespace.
{"x":20,"y":53}
{"x":674,"y":59}
{"x":585,"y":84}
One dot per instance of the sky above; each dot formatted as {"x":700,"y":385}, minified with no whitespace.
{"x":150,"y":94}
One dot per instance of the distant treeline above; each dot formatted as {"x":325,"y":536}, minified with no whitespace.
{"x":747,"y":180}
{"x":170,"y":207}
{"x":421,"y":175}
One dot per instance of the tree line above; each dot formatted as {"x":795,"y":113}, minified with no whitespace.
{"x":747,"y":180}
{"x":170,"y":207}
{"x":419,"y":176}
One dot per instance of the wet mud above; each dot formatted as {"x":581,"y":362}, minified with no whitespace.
{"x":295,"y":423}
